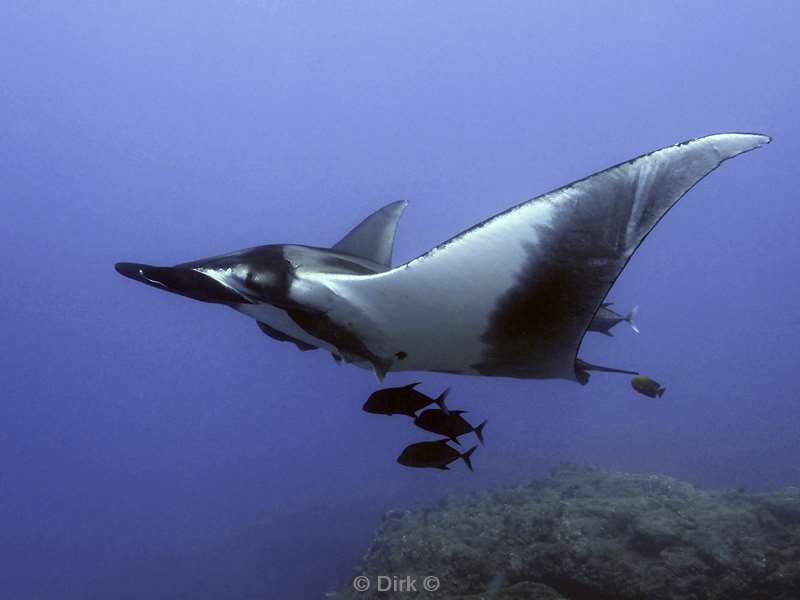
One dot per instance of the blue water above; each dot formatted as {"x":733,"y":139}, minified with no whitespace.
{"x":155,"y":447}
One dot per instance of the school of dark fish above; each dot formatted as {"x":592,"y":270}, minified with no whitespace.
{"x":437,"y":454}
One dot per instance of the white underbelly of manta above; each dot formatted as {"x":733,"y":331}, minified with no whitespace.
{"x":278,"y":319}
{"x":415,"y":347}
{"x":446,"y":330}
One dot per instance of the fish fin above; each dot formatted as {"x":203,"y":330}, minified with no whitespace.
{"x":455,"y":440}
{"x":630,"y":318}
{"x":466,"y":456}
{"x":373,"y":238}
{"x":479,"y":431}
{"x":607,"y":332}
{"x":411,"y":386}
{"x":458,"y":412}
{"x":444,"y":468}
{"x":411,"y":414}
{"x":661,"y":391}
{"x":440,"y":401}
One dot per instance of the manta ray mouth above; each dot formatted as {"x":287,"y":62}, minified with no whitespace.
{"x":183,"y":281}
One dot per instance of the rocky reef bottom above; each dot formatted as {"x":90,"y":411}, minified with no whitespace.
{"x":589,"y":533}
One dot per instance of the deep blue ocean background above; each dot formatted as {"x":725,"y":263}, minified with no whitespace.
{"x":154,"y":447}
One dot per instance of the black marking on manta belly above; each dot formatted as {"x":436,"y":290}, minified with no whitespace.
{"x":276,"y":334}
{"x":321,"y":326}
{"x":537,"y":323}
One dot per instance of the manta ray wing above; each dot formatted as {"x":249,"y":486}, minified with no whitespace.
{"x":514,"y":295}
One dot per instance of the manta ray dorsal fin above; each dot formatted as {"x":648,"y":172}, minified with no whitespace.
{"x":373,"y":238}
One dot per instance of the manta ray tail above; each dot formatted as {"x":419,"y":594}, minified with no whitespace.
{"x":585,"y":366}
{"x":582,"y":369}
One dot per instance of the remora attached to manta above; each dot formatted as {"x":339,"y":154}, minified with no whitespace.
{"x":512,"y":296}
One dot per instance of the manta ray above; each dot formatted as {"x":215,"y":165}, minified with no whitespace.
{"x":512,"y":296}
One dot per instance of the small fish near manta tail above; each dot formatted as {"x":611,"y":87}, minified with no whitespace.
{"x":648,"y":387}
{"x":434,"y":455}
{"x":452,"y":425}
{"x":605,"y":319}
{"x":402,"y":401}
{"x":512,"y":296}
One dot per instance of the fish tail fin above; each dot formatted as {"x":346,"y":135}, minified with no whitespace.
{"x":466,"y":456}
{"x":661,"y":391}
{"x":440,"y":401}
{"x":479,"y":431}
{"x":630,"y":318}
{"x":455,"y":440}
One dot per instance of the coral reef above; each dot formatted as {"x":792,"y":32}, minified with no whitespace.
{"x":589,"y":533}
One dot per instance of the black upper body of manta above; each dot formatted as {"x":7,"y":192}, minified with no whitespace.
{"x":512,"y":296}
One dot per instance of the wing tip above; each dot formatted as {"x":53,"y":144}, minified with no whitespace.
{"x":733,"y":144}
{"x":761,"y":138}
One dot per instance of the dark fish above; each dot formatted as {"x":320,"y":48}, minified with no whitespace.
{"x":435,"y":455}
{"x":452,"y":425}
{"x":648,"y":387}
{"x":605,"y":318}
{"x":402,"y":401}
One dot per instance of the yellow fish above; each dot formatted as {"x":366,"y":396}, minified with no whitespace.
{"x":648,"y":387}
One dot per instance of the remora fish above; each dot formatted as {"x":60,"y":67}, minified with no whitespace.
{"x":435,"y":455}
{"x":648,"y":387}
{"x":452,"y":425}
{"x":605,"y":319}
{"x":512,"y":296}
{"x":402,"y":401}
